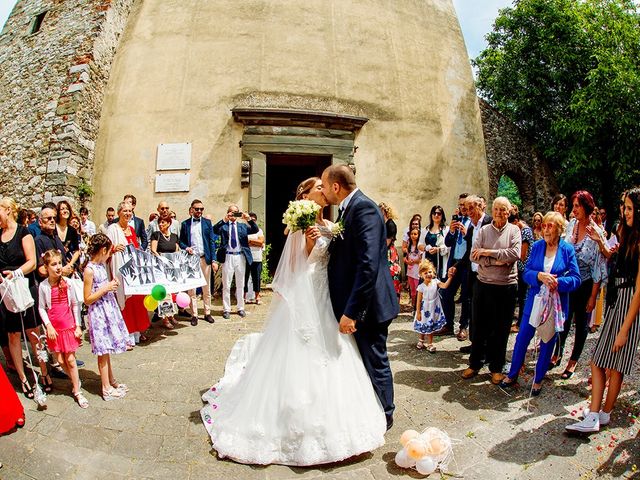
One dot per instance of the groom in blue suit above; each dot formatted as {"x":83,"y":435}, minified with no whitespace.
{"x":197,"y":238}
{"x":360,"y":284}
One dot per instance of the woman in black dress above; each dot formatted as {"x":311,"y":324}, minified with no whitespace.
{"x":163,"y":241}
{"x":18,"y":251}
{"x":67,"y":233}
{"x":434,"y":248}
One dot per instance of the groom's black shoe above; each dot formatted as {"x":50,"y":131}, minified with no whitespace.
{"x":389,"y":423}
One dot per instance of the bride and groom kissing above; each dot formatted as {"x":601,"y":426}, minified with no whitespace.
{"x":315,"y":386}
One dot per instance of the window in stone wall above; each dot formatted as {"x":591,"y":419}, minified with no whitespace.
{"x":37,"y":22}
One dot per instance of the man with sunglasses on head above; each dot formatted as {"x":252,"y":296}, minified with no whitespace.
{"x":197,"y":238}
{"x":48,"y":239}
{"x":164,"y":212}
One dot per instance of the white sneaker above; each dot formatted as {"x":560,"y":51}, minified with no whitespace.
{"x":605,"y":417}
{"x":590,"y":424}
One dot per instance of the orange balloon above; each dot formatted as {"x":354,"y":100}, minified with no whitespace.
{"x":407,"y":436}
{"x":436,"y":447}
{"x":416,"y":449}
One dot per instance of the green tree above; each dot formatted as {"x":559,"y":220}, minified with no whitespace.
{"x":508,"y":188}
{"x":568,"y":73}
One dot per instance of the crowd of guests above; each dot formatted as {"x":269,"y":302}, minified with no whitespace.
{"x":488,"y":259}
{"x":510,"y":276}
{"x":73,"y":271}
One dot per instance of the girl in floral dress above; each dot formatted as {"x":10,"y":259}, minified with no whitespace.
{"x":429,"y":315}
{"x":107,"y":330}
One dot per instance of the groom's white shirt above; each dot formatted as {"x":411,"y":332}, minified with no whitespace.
{"x":344,"y":203}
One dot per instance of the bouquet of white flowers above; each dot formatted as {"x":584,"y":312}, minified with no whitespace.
{"x":300,"y":215}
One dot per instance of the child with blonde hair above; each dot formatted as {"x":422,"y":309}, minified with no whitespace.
{"x":429,"y":315}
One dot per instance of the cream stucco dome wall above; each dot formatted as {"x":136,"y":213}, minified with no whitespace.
{"x":182,"y":65}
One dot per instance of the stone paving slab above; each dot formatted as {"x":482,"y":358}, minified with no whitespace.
{"x":156,"y":433}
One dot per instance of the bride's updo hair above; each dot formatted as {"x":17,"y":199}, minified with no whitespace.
{"x":305,"y":187}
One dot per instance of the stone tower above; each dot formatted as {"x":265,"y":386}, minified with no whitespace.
{"x":55,"y":57}
{"x":263,"y":93}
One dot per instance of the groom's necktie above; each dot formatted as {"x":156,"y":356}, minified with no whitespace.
{"x":234,"y":239}
{"x":340,"y":212}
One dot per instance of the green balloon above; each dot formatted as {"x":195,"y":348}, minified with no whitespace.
{"x":158,"y":292}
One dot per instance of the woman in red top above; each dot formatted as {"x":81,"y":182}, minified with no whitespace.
{"x":122,"y":234}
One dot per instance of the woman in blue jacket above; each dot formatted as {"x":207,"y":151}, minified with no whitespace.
{"x":552,"y":262}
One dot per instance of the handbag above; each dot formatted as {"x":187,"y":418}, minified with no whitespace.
{"x":15,"y":293}
{"x":76,"y":285}
{"x":547,"y":329}
{"x":549,"y":316}
{"x":537,"y":309}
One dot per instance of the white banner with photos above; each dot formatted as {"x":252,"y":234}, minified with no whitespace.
{"x":177,"y":272}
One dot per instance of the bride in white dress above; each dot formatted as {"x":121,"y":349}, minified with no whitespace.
{"x":297,"y":393}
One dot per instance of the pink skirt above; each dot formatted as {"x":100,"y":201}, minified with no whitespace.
{"x":65,"y":343}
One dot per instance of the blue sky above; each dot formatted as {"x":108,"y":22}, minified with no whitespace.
{"x":476,"y":18}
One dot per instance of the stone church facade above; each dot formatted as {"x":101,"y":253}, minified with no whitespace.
{"x":265,"y":92}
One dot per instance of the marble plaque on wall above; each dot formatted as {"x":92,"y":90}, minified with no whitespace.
{"x":172,"y":182}
{"x":173,"y":156}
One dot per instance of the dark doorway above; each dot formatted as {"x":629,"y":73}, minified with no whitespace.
{"x":284,"y":173}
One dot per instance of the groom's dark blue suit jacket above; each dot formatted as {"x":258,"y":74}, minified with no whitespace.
{"x":360,"y":284}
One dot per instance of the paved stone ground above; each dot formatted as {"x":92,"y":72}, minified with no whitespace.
{"x":155,"y":432}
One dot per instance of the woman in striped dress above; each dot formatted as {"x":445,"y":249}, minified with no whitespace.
{"x":618,"y":342}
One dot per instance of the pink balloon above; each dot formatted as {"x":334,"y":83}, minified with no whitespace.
{"x":183,"y":300}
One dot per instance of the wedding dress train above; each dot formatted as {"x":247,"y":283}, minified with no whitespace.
{"x":297,"y":393}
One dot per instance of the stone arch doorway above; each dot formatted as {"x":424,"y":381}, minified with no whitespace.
{"x":280,"y":148}
{"x":510,"y":188}
{"x":510,"y":153}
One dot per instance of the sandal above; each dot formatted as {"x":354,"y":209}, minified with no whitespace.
{"x":120,"y":386}
{"x":112,"y":394}
{"x":47,"y":383}
{"x":566,"y":375}
{"x":510,"y":384}
{"x":420,"y":345}
{"x":166,"y":323}
{"x":555,"y":364}
{"x":431,"y":348}
{"x":143,"y":338}
{"x":81,"y":399}
{"x":27,"y":389}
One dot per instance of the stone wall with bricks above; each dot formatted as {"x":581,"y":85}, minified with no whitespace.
{"x":52,"y":85}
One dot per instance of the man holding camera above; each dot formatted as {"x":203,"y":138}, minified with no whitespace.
{"x":234,"y":254}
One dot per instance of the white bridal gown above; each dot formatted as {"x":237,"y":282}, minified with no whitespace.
{"x":298,"y":393}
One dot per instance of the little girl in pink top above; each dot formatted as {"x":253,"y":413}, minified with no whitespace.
{"x":412,"y":259}
{"x":60,"y":312}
